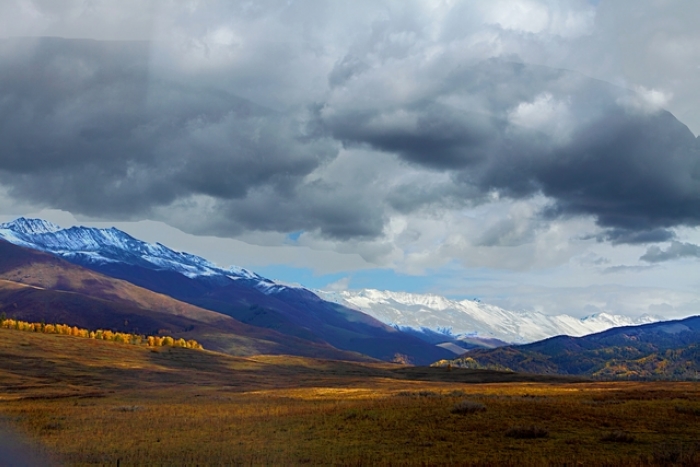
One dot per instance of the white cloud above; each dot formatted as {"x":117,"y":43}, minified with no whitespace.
{"x":646,"y":100}
{"x":339,"y":285}
{"x":97,"y":19}
{"x":526,"y":16}
{"x":546,"y":114}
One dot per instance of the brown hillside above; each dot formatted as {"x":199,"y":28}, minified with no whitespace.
{"x":37,"y":286}
{"x":46,"y":271}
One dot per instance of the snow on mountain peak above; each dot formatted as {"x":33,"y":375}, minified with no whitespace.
{"x":30,"y":226}
{"x":90,"y":245}
{"x":405,"y":298}
{"x":469,"y":317}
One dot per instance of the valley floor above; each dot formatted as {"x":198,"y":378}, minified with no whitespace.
{"x":101,"y":403}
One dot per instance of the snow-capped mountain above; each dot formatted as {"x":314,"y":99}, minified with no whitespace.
{"x":100,"y":248}
{"x":306,"y":324}
{"x":88,"y":245}
{"x":472,"y":318}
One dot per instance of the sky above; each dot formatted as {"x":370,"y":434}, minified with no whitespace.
{"x":534,"y":154}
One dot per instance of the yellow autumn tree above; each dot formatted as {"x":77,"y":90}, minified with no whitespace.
{"x":99,"y":334}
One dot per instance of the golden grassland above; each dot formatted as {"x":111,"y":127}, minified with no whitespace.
{"x":98,"y":403}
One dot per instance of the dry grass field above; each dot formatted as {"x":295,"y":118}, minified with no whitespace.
{"x":101,"y":403}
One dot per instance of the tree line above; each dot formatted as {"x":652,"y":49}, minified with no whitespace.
{"x":99,"y":334}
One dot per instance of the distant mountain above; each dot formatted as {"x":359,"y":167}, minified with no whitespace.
{"x":663,"y":350}
{"x":470,"y":321}
{"x":241,"y":294}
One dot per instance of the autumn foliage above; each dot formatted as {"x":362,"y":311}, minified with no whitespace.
{"x":99,"y":334}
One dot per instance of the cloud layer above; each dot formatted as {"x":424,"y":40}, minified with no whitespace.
{"x":676,"y":250}
{"x":367,"y":129}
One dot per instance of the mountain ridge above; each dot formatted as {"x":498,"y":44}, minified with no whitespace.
{"x":470,"y":318}
{"x":662,"y":350}
{"x":36,"y":286}
{"x":111,"y":244}
{"x":234,"y":292}
{"x":461,"y":322}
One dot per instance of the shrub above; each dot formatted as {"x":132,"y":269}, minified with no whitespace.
{"x":687,"y":410}
{"x":52,"y":426}
{"x":527,"y":432}
{"x":418,"y":394}
{"x":128,"y":408}
{"x":674,"y":454}
{"x":357,"y":414}
{"x":466,"y":407}
{"x":618,"y":437}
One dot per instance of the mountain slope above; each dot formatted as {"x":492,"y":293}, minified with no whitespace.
{"x":36,"y":286}
{"x":668,"y":350}
{"x":468,"y":318}
{"x":85,"y":245}
{"x":236,"y":292}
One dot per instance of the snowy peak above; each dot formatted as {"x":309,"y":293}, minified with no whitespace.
{"x":30,"y":226}
{"x":473,"y":318}
{"x":618,"y":320}
{"x":434,"y":302}
{"x":89,"y":245}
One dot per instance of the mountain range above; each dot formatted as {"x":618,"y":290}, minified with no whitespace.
{"x":36,"y":286}
{"x":268,"y":316}
{"x":467,"y":320}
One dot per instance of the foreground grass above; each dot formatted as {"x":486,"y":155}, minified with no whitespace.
{"x":96,"y":403}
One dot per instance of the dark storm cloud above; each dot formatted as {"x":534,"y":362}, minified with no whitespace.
{"x":409,"y":197}
{"x":346,"y":69}
{"x":631,"y":236}
{"x":677,"y":250}
{"x":593,"y":148}
{"x":331,"y":210}
{"x":639,"y":173}
{"x":441,"y":138}
{"x":85,"y":127}
{"x":98,"y":129}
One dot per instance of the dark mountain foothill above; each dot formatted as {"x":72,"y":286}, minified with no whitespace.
{"x":663,"y":350}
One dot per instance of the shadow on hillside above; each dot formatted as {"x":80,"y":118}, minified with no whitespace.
{"x":463,"y":375}
{"x":36,"y":366}
{"x":268,"y":372}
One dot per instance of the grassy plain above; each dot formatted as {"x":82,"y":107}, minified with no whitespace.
{"x":102,"y":403}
